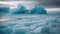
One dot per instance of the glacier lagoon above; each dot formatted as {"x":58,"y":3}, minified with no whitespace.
{"x":30,"y":23}
{"x":37,"y":21}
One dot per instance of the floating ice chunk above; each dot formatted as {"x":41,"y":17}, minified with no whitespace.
{"x":3,"y":26}
{"x":20,"y":10}
{"x":38,"y":10}
{"x":45,"y":30}
{"x":9,"y":30}
{"x":2,"y":32}
{"x":6,"y":31}
{"x":21,"y":31}
{"x":4,"y":9}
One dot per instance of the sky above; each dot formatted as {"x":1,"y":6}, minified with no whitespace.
{"x":53,"y":5}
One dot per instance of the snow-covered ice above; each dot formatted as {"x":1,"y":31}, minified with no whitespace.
{"x":30,"y":24}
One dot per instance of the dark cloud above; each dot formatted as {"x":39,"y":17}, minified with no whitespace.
{"x":47,"y":3}
{"x":50,"y":3}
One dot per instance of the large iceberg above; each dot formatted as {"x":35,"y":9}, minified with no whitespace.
{"x":38,"y":10}
{"x":20,"y":10}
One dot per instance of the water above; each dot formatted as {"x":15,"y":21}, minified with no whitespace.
{"x":30,"y":23}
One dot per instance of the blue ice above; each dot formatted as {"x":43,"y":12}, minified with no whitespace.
{"x":35,"y":10}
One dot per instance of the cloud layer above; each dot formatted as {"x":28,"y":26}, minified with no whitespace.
{"x":47,"y":3}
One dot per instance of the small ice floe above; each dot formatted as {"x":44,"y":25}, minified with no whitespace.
{"x":6,"y":19}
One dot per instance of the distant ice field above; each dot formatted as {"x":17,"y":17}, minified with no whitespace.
{"x":30,"y":23}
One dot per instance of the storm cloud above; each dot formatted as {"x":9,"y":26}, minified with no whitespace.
{"x":46,"y":3}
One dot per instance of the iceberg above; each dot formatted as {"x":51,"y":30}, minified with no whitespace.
{"x":4,"y":9}
{"x":20,"y":10}
{"x":38,"y":10}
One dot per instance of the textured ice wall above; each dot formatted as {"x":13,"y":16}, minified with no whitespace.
{"x":20,"y":10}
{"x":35,"y":10}
{"x":38,"y":10}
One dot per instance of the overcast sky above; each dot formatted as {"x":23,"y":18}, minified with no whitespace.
{"x":29,"y":3}
{"x":48,"y":3}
